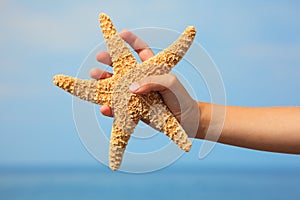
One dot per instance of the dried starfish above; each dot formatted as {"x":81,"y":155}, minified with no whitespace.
{"x":129,"y":108}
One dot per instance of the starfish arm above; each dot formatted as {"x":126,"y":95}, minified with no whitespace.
{"x":126,"y":116}
{"x":158,"y":116}
{"x":118,"y":141}
{"x":98,"y":92}
{"x":123,"y":60}
{"x":164,"y":61}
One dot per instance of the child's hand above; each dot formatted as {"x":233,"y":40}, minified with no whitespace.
{"x":184,"y":108}
{"x":137,"y":44}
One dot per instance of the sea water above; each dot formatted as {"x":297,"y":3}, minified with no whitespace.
{"x":180,"y":182}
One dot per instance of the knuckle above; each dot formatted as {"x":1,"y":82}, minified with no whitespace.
{"x":146,"y":81}
{"x":172,"y":80}
{"x":150,"y":80}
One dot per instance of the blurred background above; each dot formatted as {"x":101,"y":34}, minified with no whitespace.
{"x":255,"y":44}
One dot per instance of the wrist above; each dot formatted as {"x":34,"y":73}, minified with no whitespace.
{"x":204,"y":119}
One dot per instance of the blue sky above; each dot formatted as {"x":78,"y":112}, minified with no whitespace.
{"x":255,"y":44}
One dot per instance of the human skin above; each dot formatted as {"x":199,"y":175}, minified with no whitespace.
{"x":275,"y":129}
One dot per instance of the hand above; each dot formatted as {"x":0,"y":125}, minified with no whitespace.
{"x":183,"y":107}
{"x":137,"y":44}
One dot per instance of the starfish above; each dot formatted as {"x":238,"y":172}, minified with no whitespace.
{"x":130,"y":108}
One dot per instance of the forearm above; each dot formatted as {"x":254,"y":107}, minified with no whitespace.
{"x":274,"y":129}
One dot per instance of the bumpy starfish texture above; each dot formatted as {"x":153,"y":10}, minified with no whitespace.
{"x":129,"y":108}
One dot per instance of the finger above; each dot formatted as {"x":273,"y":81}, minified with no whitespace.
{"x":104,"y":57}
{"x":159,"y":83}
{"x":98,"y":74}
{"x":137,"y":44}
{"x":106,"y":111}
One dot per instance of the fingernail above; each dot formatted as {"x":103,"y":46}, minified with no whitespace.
{"x":134,"y":86}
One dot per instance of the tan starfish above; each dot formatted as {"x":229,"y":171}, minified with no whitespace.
{"x":129,"y":108}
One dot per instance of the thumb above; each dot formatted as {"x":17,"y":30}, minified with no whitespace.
{"x":158,"y":83}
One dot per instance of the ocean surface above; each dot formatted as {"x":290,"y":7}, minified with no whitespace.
{"x":180,"y":182}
